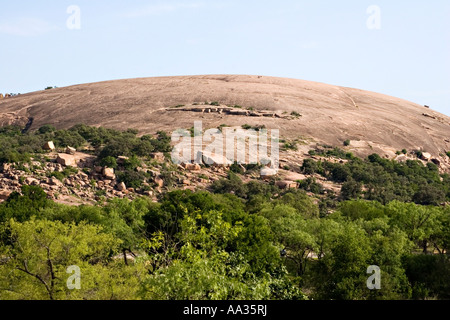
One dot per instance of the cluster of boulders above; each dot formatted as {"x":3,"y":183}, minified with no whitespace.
{"x":229,"y":111}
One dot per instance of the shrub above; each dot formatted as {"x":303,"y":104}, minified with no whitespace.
{"x":236,"y":168}
{"x":311,"y":185}
{"x":109,"y":162}
{"x":46,"y":128}
{"x":290,"y":146}
{"x":351,"y":190}
{"x":309,"y":166}
{"x":132,"y":179}
{"x":347,"y":142}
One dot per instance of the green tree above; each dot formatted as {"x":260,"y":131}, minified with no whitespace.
{"x":39,"y":252}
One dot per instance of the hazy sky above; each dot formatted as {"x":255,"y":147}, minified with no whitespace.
{"x":400,"y":48}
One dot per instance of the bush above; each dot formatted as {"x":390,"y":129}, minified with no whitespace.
{"x":109,"y":162}
{"x":347,"y":143}
{"x":309,"y":166}
{"x":236,"y":168}
{"x":46,"y":128}
{"x":132,"y":179}
{"x":351,"y":190}
{"x":311,"y":185}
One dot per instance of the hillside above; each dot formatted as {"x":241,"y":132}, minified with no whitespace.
{"x":329,"y":114}
{"x":87,"y":181}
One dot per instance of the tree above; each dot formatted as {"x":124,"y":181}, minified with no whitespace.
{"x":293,"y":234}
{"x":23,"y":206}
{"x":351,"y":190}
{"x":420,"y":223}
{"x":38,"y":255}
{"x":341,"y":272}
{"x":309,"y":166}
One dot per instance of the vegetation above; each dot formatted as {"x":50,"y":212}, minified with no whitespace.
{"x":222,"y":246}
{"x":385,"y":180}
{"x":239,"y":240}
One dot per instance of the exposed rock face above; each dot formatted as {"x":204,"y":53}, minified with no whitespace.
{"x":70,"y":150}
{"x":49,"y":146}
{"x":66,"y":160}
{"x":108,"y":173}
{"x":330,"y":114}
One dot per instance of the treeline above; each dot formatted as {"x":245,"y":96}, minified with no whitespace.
{"x":220,"y":246}
{"x":18,"y":146}
{"x":384,"y":180}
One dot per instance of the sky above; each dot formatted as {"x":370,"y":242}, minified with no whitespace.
{"x":400,"y":48}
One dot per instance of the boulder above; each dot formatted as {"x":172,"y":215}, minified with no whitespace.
{"x":54,"y":182}
{"x":215,"y":160}
{"x":267,"y":173}
{"x":122,"y":159}
{"x":121,"y":186}
{"x":32,"y":181}
{"x":70,"y":150}
{"x":1,"y":95}
{"x":5,"y":167}
{"x":4,"y":194}
{"x":158,"y":156}
{"x":49,"y":145}
{"x":286,"y":184}
{"x":239,"y":112}
{"x":98,"y":169}
{"x":108,"y":173}
{"x":436,"y":162}
{"x":426,"y":156}
{"x":192,"y":166}
{"x":66,"y":160}
{"x":159,"y":182}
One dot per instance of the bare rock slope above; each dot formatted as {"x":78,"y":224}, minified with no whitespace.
{"x":329,"y":114}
